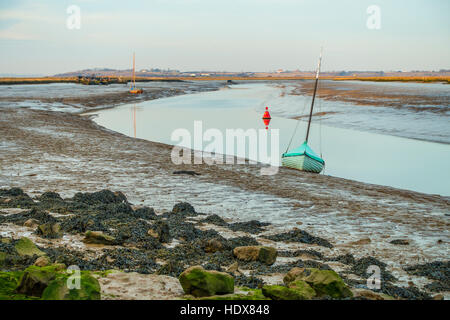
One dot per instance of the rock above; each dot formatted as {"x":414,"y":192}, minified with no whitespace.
{"x":100,"y":197}
{"x":26,"y":247}
{"x":361,"y":241}
{"x":200,"y":282}
{"x":42,"y":261}
{"x":50,"y":196}
{"x":58,"y":289}
{"x":183,"y":207}
{"x":293,"y":274}
{"x":370,"y":295}
{"x":402,"y":242}
{"x":152,"y":233}
{"x":297,"y":235}
{"x":213,"y":245}
{"x":98,"y":237}
{"x":234,"y":269}
{"x":263,"y":254}
{"x":267,"y":255}
{"x":138,"y":286}
{"x":5,"y":240}
{"x":31,"y":223}
{"x":35,"y":280}
{"x":2,"y":257}
{"x":50,"y":230}
{"x":302,"y":292}
{"x":304,"y":288}
{"x":160,"y":231}
{"x":324,"y":282}
{"x":188,"y":172}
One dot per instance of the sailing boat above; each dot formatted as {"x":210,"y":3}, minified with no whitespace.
{"x":304,"y":158}
{"x":133,"y":88}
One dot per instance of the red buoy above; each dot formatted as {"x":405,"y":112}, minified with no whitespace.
{"x":266,"y":118}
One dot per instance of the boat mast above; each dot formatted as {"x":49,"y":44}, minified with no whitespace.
{"x":134,"y":76}
{"x":314,"y":96}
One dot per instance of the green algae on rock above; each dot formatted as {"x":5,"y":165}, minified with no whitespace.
{"x":35,"y":279}
{"x":200,"y":282}
{"x":98,"y":237}
{"x":250,"y":294}
{"x":276,"y":292}
{"x":8,"y":284}
{"x":58,"y":289}
{"x":324,"y":282}
{"x":26,"y":247}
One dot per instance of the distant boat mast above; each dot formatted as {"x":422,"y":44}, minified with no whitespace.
{"x":134,"y":74}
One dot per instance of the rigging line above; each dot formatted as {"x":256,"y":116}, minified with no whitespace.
{"x":296,"y":125}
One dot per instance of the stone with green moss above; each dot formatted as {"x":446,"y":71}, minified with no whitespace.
{"x":98,"y":237}
{"x":304,"y":288}
{"x":247,"y":294}
{"x":200,"y":282}
{"x":26,"y":247}
{"x":35,"y":279}
{"x":276,"y":292}
{"x":324,"y":282}
{"x":50,"y":230}
{"x":8,"y":284}
{"x":65,"y":288}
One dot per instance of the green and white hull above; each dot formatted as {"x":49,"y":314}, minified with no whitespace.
{"x":303,"y":158}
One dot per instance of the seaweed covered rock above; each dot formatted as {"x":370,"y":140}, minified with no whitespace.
{"x":200,"y":282}
{"x":183,"y":207}
{"x":252,"y":226}
{"x":50,"y":196}
{"x":26,"y":247}
{"x":214,"y":245}
{"x":58,"y":289}
{"x":15,"y":198}
{"x":262,"y":254}
{"x":100,"y":197}
{"x":324,"y":282}
{"x":49,"y":230}
{"x":98,"y":237}
{"x":297,"y":235}
{"x":36,"y":279}
{"x":301,"y":291}
{"x":13,"y":192}
{"x":160,"y":231}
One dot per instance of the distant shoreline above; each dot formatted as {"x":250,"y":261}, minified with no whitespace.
{"x":46,"y":80}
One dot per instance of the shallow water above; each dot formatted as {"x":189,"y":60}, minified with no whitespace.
{"x":349,"y":153}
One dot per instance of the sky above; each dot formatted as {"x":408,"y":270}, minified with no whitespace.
{"x":231,"y":35}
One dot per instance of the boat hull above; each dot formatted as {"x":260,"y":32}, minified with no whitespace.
{"x":136,"y":91}
{"x":303,"y":163}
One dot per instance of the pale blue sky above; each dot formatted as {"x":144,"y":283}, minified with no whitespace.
{"x":233,"y":35}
